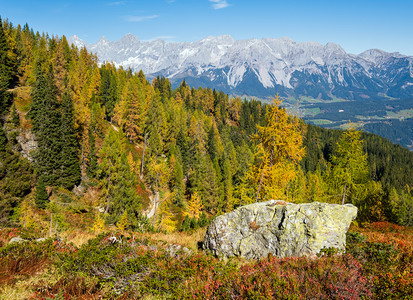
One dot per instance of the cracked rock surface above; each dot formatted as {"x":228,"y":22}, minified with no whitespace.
{"x":280,"y":228}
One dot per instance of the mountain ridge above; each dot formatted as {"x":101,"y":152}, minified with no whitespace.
{"x":263,"y":67}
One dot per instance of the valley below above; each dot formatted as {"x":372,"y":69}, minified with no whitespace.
{"x":391,"y":119}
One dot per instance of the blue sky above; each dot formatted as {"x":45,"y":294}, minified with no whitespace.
{"x":355,"y":25}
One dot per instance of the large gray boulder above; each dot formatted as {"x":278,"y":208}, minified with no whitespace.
{"x":282,"y":229}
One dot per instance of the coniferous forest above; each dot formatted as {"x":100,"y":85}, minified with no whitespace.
{"x":91,"y":151}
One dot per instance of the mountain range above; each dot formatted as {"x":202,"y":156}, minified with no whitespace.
{"x":264,"y":67}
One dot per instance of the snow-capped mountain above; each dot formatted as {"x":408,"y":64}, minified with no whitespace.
{"x":263,"y":67}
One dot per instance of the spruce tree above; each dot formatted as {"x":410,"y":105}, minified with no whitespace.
{"x":178,"y":184}
{"x":93,"y":163}
{"x":350,"y":170}
{"x":5,"y":71}
{"x":92,"y":167}
{"x":46,"y":120}
{"x":117,"y":181}
{"x":108,"y":91}
{"x":38,"y":98}
{"x":14,"y":118}
{"x":41,"y":199}
{"x":156,"y":126}
{"x":3,"y":142}
{"x":69,"y":162}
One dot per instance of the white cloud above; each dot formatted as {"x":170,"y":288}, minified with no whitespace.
{"x":161,"y":37}
{"x":140,"y":18}
{"x":218,"y":4}
{"x":117,"y":3}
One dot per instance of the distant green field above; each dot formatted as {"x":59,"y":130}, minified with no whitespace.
{"x":311,"y":112}
{"x":375,"y":117}
{"x":402,"y":114}
{"x":309,"y":100}
{"x":321,"y":122}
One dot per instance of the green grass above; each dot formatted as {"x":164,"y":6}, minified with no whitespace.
{"x":321,"y":122}
{"x":402,"y":114}
{"x":372,"y":118}
{"x":312,"y":112}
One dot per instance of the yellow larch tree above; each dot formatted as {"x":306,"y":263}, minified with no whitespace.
{"x":99,"y":224}
{"x":122,"y":224}
{"x":166,"y":217}
{"x":194,"y":206}
{"x":278,"y":151}
{"x":132,"y":164}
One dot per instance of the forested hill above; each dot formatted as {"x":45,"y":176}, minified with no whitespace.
{"x":93,"y":143}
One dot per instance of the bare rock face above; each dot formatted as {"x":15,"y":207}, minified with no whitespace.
{"x":282,"y":229}
{"x":28,"y":144}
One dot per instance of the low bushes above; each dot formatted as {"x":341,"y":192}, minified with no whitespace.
{"x":126,"y":266}
{"x":385,"y":252}
{"x":24,"y":259}
{"x":140,"y":267}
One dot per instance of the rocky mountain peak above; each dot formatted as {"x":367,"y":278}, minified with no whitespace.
{"x":263,"y":67}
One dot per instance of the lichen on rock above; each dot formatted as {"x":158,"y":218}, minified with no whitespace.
{"x":280,"y":228}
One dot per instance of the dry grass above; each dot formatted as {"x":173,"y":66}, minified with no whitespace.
{"x":25,"y":287}
{"x":15,"y":269}
{"x":78,"y":237}
{"x":91,"y":197}
{"x":72,"y":287}
{"x":189,"y":240}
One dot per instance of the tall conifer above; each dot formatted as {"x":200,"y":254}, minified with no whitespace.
{"x":46,"y":120}
{"x":117,"y":181}
{"x":41,"y":198}
{"x":92,"y":165}
{"x":69,"y":161}
{"x":5,"y":71}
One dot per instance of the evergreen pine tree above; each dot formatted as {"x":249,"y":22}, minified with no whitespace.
{"x":3,"y":141}
{"x":92,"y":158}
{"x":108,"y":91}
{"x":203,"y":220}
{"x":15,"y":119}
{"x":177,"y":181}
{"x":117,"y":182}
{"x":156,"y":126}
{"x":46,"y":119}
{"x":5,"y":71}
{"x":41,"y":199}
{"x":186,"y":224}
{"x":38,"y":97}
{"x":227,"y":183}
{"x":92,"y":167}
{"x":350,"y":170}
{"x":70,"y":167}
